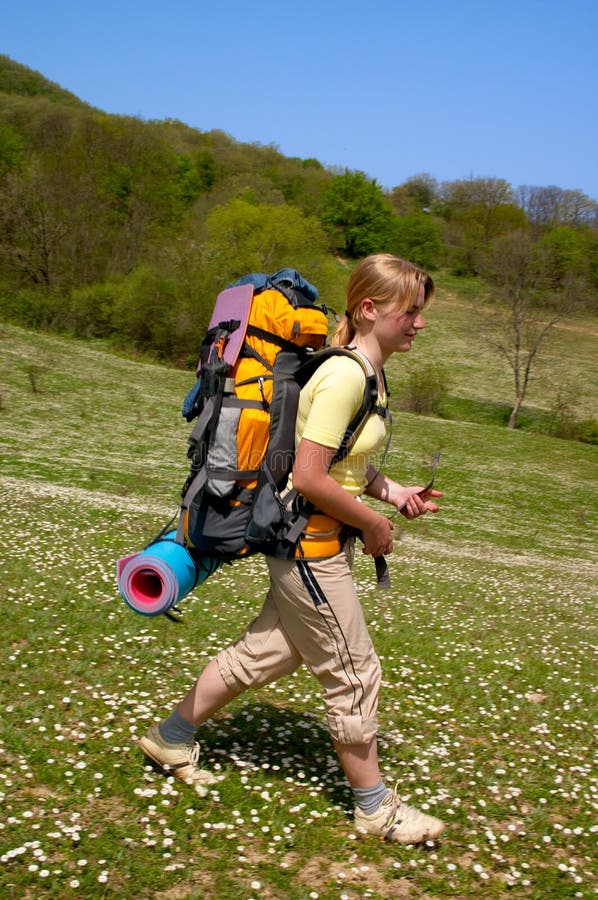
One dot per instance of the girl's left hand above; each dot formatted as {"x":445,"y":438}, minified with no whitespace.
{"x":415,"y":501}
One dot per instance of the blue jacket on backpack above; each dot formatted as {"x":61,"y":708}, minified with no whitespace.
{"x":284,"y":276}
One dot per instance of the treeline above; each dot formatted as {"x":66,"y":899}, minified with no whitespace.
{"x":118,"y":228}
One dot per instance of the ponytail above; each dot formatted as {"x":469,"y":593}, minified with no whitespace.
{"x":344,"y":331}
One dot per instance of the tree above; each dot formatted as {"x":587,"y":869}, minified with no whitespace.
{"x":144,"y":311}
{"x":243,"y":237}
{"x":554,"y":206}
{"x":32,"y":231}
{"x":476,"y":211}
{"x":418,"y":239}
{"x":195,"y":175}
{"x":589,"y":237}
{"x":565,"y":253}
{"x":416,"y":194}
{"x":528,"y":308}
{"x":11,"y":148}
{"x":486,"y":192}
{"x":355,"y":209}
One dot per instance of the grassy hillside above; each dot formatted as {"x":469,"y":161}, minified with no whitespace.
{"x":456,"y":338}
{"x":486,"y":640}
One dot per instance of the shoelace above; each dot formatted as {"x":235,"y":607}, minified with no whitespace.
{"x":194,"y":753}
{"x":391,"y":819}
{"x":398,"y":809}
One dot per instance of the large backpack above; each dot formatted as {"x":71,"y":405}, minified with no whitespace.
{"x":261,"y":347}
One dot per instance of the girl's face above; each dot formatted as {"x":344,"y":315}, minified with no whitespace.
{"x":396,"y":331}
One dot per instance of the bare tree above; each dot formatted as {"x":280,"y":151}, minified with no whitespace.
{"x":526,"y":308}
{"x":30,"y":230}
{"x":554,"y":206}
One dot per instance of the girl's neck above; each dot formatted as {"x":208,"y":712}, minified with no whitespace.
{"x":371,"y":349}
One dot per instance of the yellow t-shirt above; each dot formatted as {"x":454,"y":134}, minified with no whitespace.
{"x":327,"y":404}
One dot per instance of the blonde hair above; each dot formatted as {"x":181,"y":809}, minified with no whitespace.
{"x":384,"y":278}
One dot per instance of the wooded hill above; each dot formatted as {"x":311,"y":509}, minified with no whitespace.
{"x":119,"y":228}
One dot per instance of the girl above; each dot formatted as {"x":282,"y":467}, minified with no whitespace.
{"x":312,"y":614}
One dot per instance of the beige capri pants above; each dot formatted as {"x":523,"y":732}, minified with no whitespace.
{"x":312,"y":615}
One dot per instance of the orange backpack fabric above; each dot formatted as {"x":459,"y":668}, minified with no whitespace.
{"x":303,"y":327}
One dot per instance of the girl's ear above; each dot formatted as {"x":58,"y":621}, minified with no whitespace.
{"x":368,"y":309}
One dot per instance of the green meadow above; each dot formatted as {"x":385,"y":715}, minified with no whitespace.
{"x":487,"y":639}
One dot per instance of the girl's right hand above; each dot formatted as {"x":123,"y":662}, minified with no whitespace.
{"x":377,"y":536}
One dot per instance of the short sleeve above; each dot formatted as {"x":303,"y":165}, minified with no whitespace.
{"x":329,"y":401}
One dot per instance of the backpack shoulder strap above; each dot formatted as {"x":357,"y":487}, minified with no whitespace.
{"x":381,"y":410}
{"x":370,"y":404}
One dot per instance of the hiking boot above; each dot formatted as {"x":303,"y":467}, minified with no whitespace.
{"x":178,"y":760}
{"x":395,"y":821}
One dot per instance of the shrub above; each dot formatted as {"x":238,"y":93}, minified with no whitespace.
{"x":563,"y":423}
{"x":91,"y":310}
{"x":145,"y":305}
{"x":34,"y":307}
{"x":587,"y":431}
{"x":425,"y":389}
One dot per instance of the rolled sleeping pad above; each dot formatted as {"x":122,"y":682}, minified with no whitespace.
{"x":154,"y":580}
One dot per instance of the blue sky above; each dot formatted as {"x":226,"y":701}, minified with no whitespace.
{"x":393,"y":88}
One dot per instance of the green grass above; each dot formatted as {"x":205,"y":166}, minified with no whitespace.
{"x":487,"y":640}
